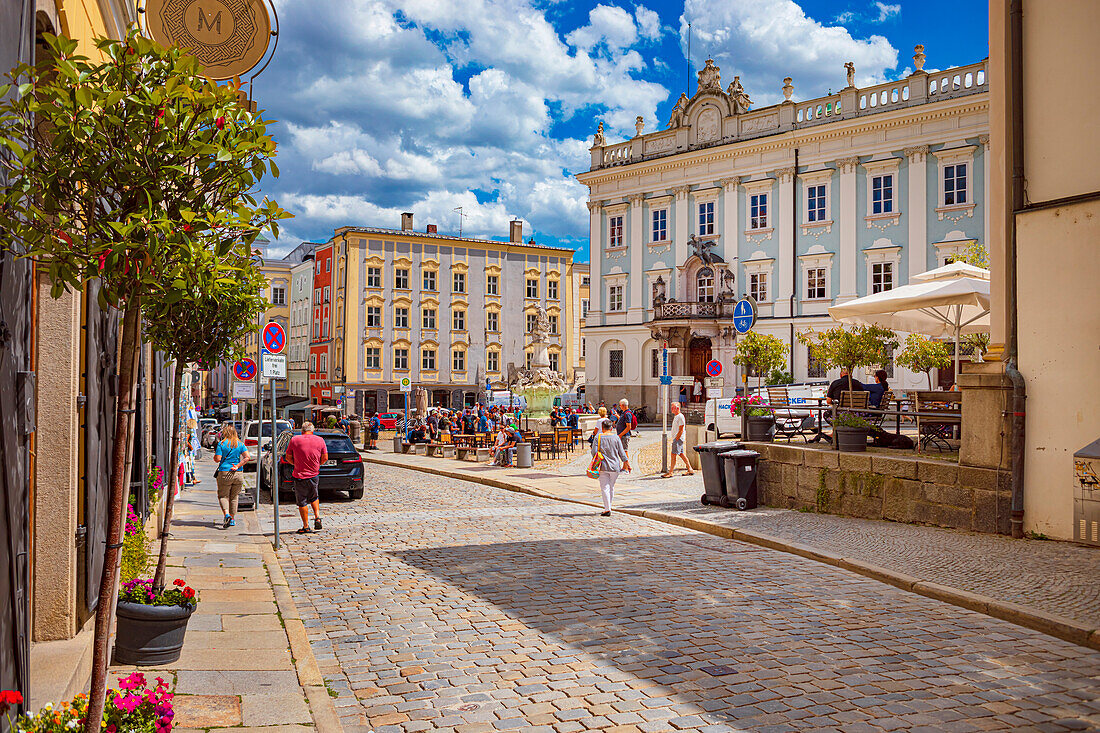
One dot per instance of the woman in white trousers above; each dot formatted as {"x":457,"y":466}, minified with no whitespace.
{"x":614,"y":460}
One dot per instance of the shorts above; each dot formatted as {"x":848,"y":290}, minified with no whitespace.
{"x":678,"y":447}
{"x":305,"y":491}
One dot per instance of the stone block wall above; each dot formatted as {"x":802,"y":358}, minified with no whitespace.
{"x":877,"y":486}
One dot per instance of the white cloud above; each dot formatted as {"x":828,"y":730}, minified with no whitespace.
{"x":608,"y":24}
{"x":766,"y":40}
{"x":885,"y":12}
{"x":649,"y":23}
{"x":846,"y":17}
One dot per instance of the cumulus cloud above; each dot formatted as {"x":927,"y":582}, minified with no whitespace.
{"x":885,"y":12}
{"x":766,"y":40}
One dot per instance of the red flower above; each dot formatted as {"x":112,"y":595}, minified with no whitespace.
{"x":103,"y":259}
{"x":220,"y":123}
{"x":186,"y":227}
{"x":177,"y":581}
{"x":9,"y":698}
{"x":188,"y":593}
{"x":63,"y":236}
{"x":130,"y":51}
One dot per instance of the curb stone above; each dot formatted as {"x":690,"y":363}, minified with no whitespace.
{"x":1057,"y":626}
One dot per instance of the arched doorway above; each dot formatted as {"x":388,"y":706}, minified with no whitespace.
{"x":698,"y":356}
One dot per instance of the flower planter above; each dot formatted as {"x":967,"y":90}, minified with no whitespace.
{"x":149,"y":635}
{"x":851,"y":440}
{"x":760,"y":428}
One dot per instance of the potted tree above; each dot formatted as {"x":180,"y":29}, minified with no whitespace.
{"x":759,"y":354}
{"x":851,"y":347}
{"x":922,"y":354}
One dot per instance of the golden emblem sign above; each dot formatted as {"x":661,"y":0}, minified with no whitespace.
{"x":228,"y":37}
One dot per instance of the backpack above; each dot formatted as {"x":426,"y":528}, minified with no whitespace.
{"x":633,"y":420}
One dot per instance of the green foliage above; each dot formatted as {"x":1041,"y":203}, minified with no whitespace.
{"x":136,"y":170}
{"x":974,"y":254}
{"x":851,"y":346}
{"x":922,"y":354}
{"x":780,"y":376}
{"x":135,"y":556}
{"x":759,"y":354}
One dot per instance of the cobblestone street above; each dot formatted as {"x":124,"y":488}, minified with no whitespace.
{"x":439,"y":604}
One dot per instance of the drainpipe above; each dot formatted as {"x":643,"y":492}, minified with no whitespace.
{"x":1016,"y":145}
{"x":794,"y":251}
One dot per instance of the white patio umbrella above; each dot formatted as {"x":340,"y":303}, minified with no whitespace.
{"x":946,"y":302}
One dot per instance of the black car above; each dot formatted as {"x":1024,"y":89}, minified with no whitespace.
{"x":343,"y":471}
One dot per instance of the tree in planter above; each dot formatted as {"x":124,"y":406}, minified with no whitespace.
{"x":922,"y":354}
{"x":759,"y":354}
{"x":856,"y":346}
{"x":977,"y":255}
{"x":205,"y":326}
{"x":119,"y":170}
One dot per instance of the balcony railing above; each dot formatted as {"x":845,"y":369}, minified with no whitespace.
{"x":692,"y":309}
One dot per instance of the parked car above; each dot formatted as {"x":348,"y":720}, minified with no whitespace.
{"x":255,"y":437}
{"x":389,"y":419}
{"x":343,"y":471}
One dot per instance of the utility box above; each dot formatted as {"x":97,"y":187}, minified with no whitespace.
{"x":1086,"y":494}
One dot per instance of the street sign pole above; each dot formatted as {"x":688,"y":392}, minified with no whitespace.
{"x":273,"y":449}
{"x":665,"y":402}
{"x":406,"y":417}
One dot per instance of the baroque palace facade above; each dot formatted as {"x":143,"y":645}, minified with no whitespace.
{"x":801,"y":205}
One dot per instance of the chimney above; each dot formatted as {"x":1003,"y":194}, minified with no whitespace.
{"x":432,"y":229}
{"x":407,"y":221}
{"x":516,"y":232}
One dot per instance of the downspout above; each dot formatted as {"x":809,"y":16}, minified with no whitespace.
{"x":1016,"y":145}
{"x":794,"y":252}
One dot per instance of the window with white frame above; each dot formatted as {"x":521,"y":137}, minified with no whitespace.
{"x":585,"y":281}
{"x":554,"y":362}
{"x":532,"y":322}
{"x":956,"y":175}
{"x":374,"y":316}
{"x":882,"y":277}
{"x":324,"y":363}
{"x":758,"y":286}
{"x":458,"y":360}
{"x":954,"y":184}
{"x":815,"y":368}
{"x":815,"y":203}
{"x":584,"y":347}
{"x":427,"y":358}
{"x":529,"y":356}
{"x":278,"y":295}
{"x":615,"y":363}
{"x":492,"y":285}
{"x":553,"y":324}
{"x":328,"y":265}
{"x":706,"y":218}
{"x":326,"y":294}
{"x":458,"y":282}
{"x":428,"y":318}
{"x":882,"y":194}
{"x":552,"y":290}
{"x":584,"y":308}
{"x":401,"y":279}
{"x":704,"y":285}
{"x":532,"y":287}
{"x":458,"y":320}
{"x":758,"y":211}
{"x":816,"y":266}
{"x":882,"y":189}
{"x":374,"y":277}
{"x":429,"y":280}
{"x":400,"y":317}
{"x":614,"y":298}
{"x":660,"y":225}
{"x":815,"y":283}
{"x":401,"y":359}
{"x":654,"y":363}
{"x":373,"y":357}
{"x":492,"y":361}
{"x":615,"y":231}
{"x":492,"y":321}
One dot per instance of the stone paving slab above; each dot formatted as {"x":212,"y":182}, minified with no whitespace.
{"x":436,"y":604}
{"x":1051,"y":577}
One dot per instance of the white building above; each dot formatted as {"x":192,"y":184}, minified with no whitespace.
{"x":800,"y":205}
{"x":301,"y":293}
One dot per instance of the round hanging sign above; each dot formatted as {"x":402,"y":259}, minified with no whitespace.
{"x":228,"y":37}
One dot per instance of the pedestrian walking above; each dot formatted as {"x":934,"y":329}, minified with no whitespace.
{"x":602,"y":413}
{"x":375,"y":428}
{"x":679,"y":426}
{"x":229,"y":456}
{"x":306,"y":452}
{"x":613,"y":459}
{"x":624,"y":423}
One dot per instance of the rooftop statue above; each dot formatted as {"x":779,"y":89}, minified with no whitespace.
{"x":738,"y":97}
{"x":677,"y":118}
{"x":709,"y":77}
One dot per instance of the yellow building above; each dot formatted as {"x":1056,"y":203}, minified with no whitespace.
{"x":451,"y":313}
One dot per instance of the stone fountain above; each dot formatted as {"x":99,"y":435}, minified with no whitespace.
{"x":539,"y":384}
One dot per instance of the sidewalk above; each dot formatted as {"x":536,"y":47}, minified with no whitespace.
{"x":246,"y":662}
{"x":1050,"y":586}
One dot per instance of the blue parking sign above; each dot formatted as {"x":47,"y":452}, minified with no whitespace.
{"x":744,"y":316}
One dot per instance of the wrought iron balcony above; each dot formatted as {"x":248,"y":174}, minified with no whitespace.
{"x":691,"y":309}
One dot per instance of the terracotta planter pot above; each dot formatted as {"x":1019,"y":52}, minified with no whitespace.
{"x":148,"y":635}
{"x":760,"y":428}
{"x":851,"y":440}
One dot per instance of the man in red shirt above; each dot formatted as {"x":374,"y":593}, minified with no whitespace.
{"x":306,"y":453}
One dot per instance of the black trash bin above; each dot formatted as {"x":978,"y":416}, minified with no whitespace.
{"x":739,"y":471}
{"x":714,"y":480}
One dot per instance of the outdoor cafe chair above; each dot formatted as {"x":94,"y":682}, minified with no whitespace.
{"x":935,"y":431}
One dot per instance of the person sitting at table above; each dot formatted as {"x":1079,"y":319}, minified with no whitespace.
{"x":418,"y":434}
{"x":878,"y":389}
{"x":841,"y":385}
{"x":555,"y":418}
{"x":502,"y":450}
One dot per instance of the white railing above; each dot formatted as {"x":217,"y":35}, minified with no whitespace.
{"x":955,"y":82}
{"x":616,"y":154}
{"x":893,"y":94}
{"x":819,"y":109}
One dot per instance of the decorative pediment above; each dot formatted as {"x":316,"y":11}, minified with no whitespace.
{"x":374,"y":260}
{"x":492,"y":269}
{"x":402,"y":262}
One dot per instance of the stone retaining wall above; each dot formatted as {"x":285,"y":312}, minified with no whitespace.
{"x":875,"y":486}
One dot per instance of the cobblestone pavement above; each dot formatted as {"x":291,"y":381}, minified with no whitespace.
{"x":435,"y":604}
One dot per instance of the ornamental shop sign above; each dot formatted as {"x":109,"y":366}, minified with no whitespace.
{"x":228,"y":37}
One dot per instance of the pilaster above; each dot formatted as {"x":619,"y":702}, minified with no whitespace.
{"x":682,"y":229}
{"x":729,"y":221}
{"x":595,"y":257}
{"x":918,"y":209}
{"x":785,"y":229}
{"x":636,"y":283}
{"x":848,"y":215}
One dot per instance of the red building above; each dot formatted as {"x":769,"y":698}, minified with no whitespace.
{"x":321,"y":336}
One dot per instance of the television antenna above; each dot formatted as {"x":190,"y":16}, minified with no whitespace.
{"x":461,"y":215}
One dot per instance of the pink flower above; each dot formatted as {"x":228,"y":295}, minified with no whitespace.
{"x":220,"y":123}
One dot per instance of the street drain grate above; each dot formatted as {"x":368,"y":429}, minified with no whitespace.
{"x":719,"y":670}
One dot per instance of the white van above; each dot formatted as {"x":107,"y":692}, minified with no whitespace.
{"x":570,"y":399}
{"x":718,"y":414}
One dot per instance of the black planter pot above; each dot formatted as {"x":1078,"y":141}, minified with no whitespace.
{"x":148,"y":635}
{"x":851,"y":440}
{"x":760,"y":428}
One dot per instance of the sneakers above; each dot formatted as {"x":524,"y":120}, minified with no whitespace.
{"x":605,"y":514}
{"x":232,"y":522}
{"x":228,"y":522}
{"x":317,"y":523}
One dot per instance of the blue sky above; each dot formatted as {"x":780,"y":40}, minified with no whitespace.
{"x":387,"y":106}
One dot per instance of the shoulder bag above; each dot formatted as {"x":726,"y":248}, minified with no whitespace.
{"x":597,"y":460}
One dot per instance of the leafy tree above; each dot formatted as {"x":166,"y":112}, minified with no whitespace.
{"x":758,"y":354}
{"x":124,"y":170}
{"x":851,"y":347}
{"x":977,"y":255}
{"x":206,"y":326}
{"x":922,"y":354}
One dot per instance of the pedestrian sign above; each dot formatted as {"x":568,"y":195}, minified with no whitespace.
{"x":274,"y":337}
{"x":744,"y":316}
{"x":406,"y":384}
{"x":714,"y":367}
{"x":244,"y":370}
